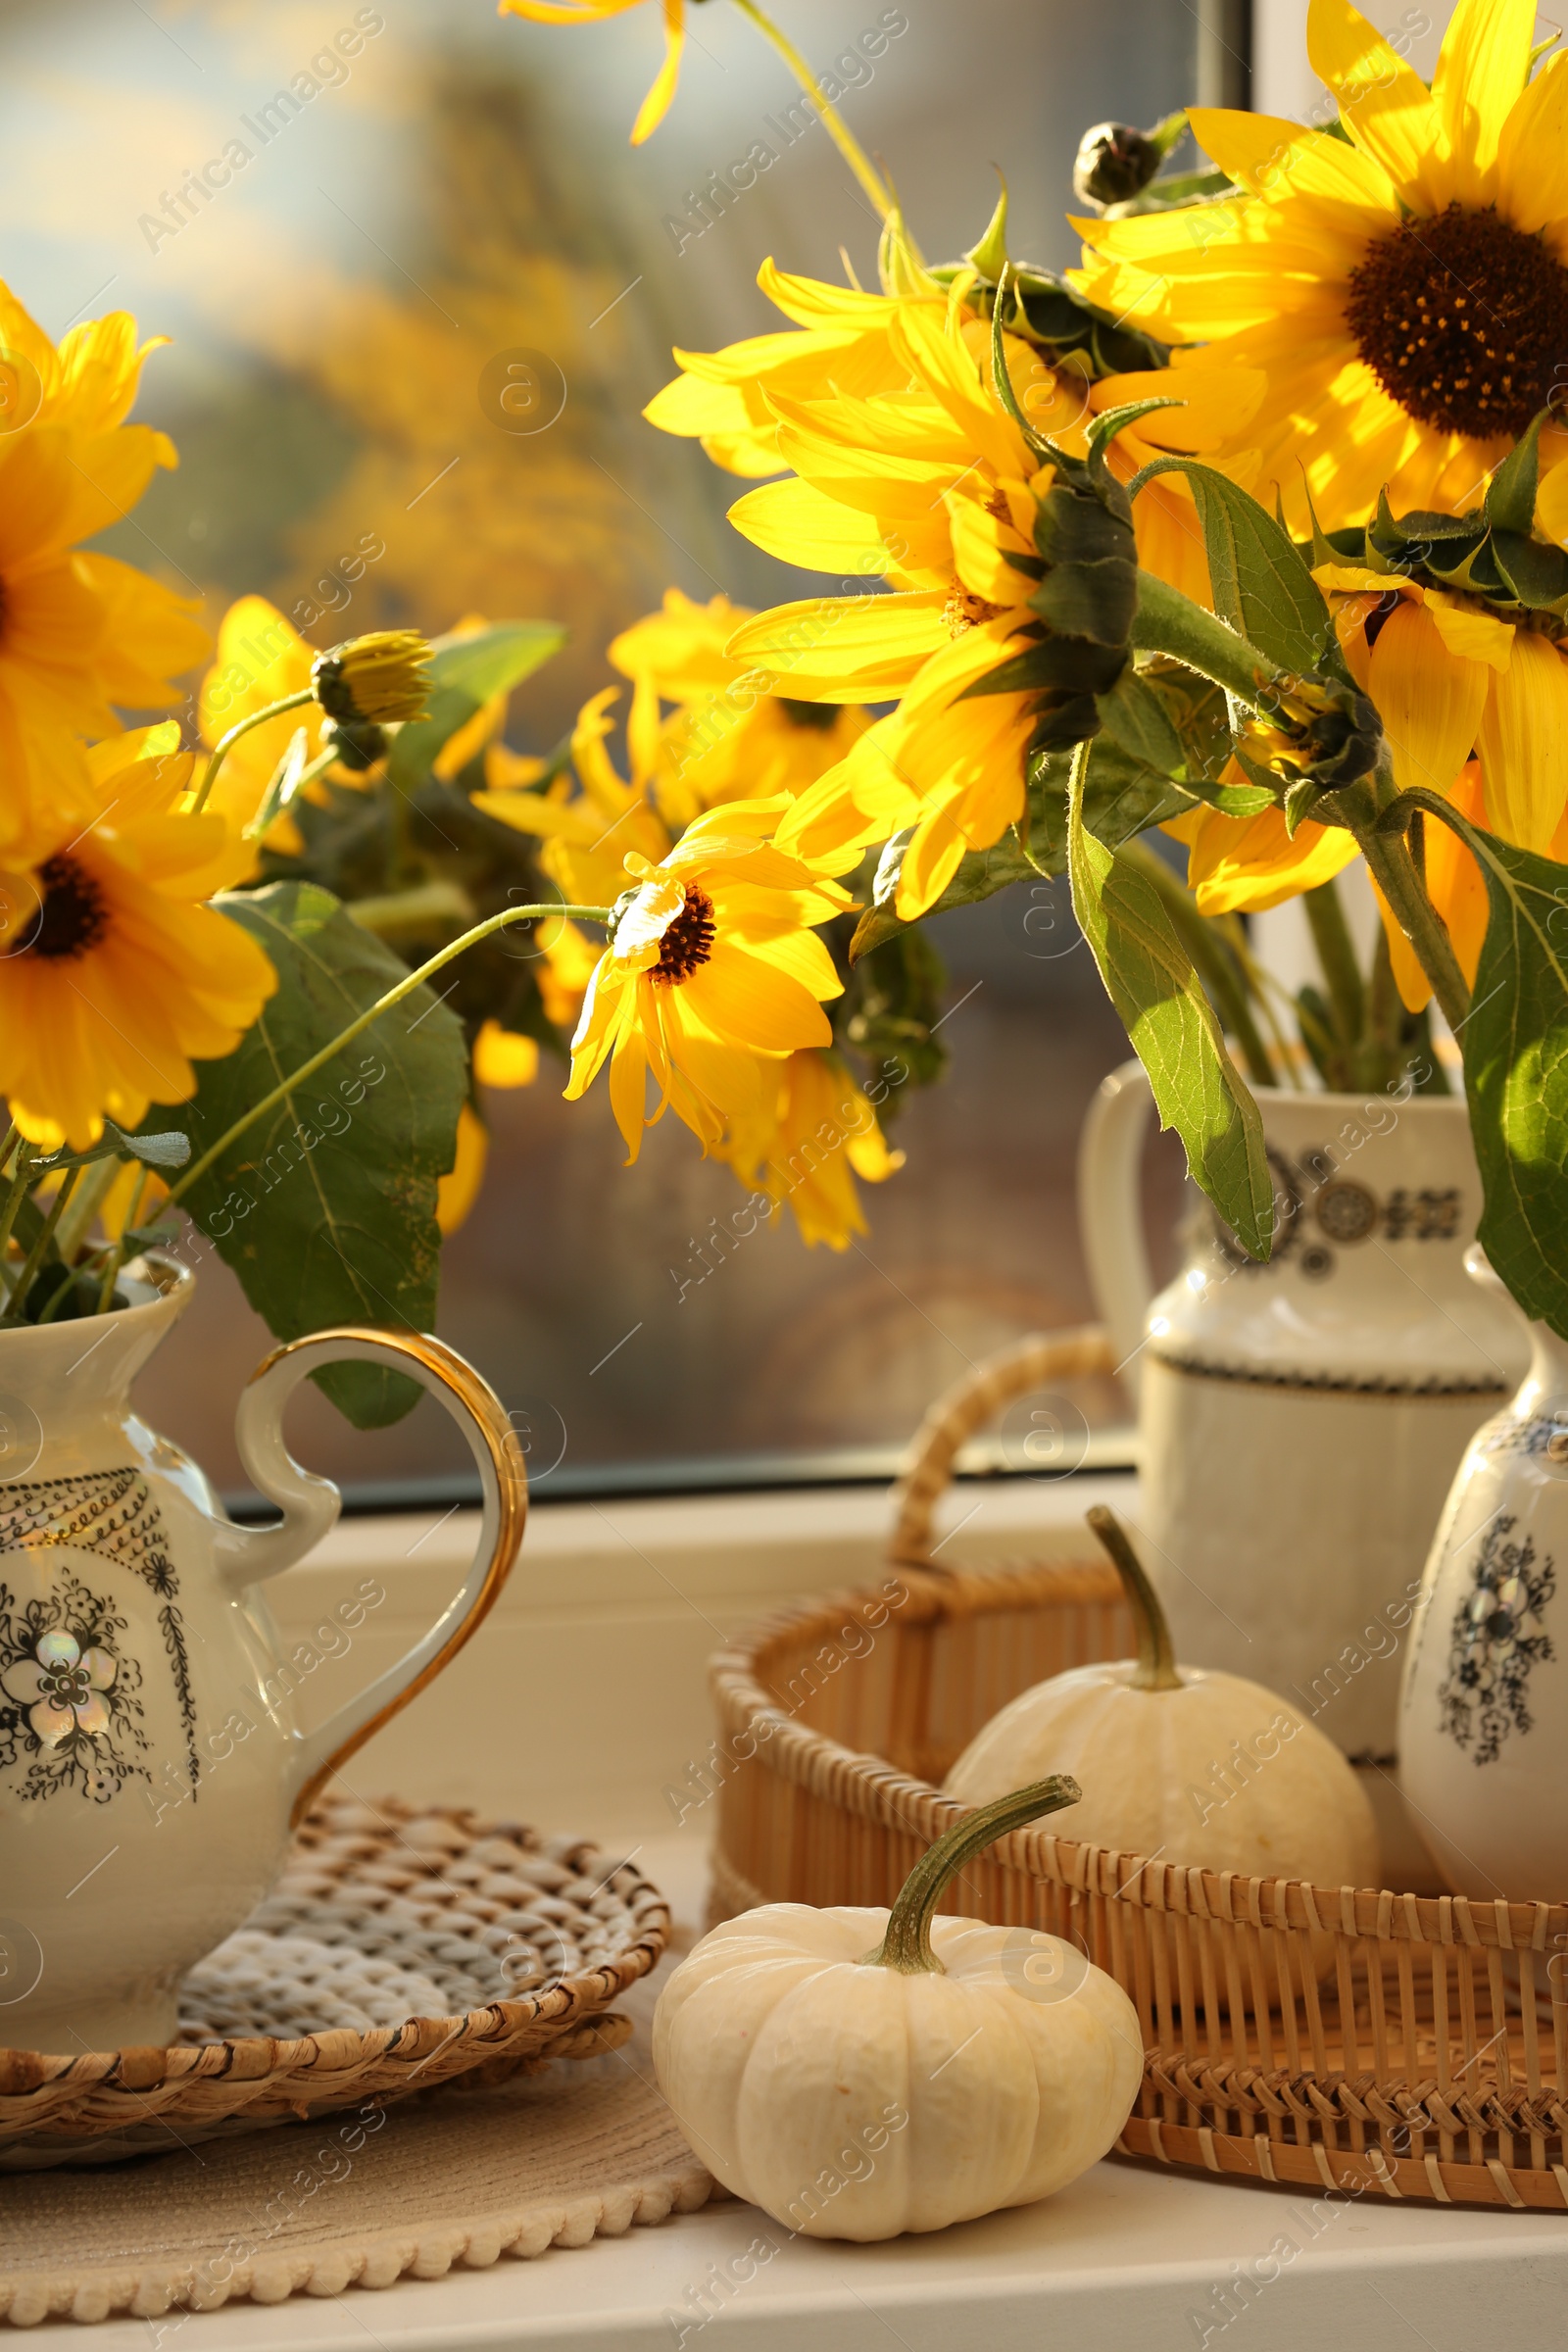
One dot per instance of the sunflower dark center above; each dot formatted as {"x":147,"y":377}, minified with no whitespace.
{"x":72,"y":916}
{"x":689,"y":941}
{"x":1463,"y":320}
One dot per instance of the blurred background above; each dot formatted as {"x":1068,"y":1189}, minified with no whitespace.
{"x":459,"y":186}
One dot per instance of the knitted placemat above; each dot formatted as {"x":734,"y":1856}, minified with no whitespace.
{"x":402,"y":1948}
{"x":459,"y":2175}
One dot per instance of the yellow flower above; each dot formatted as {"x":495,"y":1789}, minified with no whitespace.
{"x":728,"y":738}
{"x":79,"y":632}
{"x":815,"y":1136}
{"x":586,"y":833}
{"x":1449,"y":675}
{"x":733,"y":402}
{"x":114,"y":973}
{"x":90,"y":380}
{"x":657,"y":104}
{"x":715,"y":970}
{"x":1246,"y":864}
{"x":502,"y":1058}
{"x":260,"y":657}
{"x":1403,"y":290}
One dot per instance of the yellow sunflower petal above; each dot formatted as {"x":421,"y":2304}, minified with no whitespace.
{"x":1384,"y":104}
{"x":655,"y":106}
{"x":1524,"y":744}
{"x":1481,"y":73}
{"x":1430,"y":697}
{"x":1247,"y":865}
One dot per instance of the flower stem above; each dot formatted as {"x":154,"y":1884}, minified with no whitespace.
{"x":1336,"y":952}
{"x":907,"y":1946}
{"x":833,"y":122}
{"x":117,"y":1253}
{"x":243,"y":726}
{"x":1156,"y":1661}
{"x":1392,"y":868}
{"x":1168,"y":622}
{"x":356,"y":1028}
{"x":19,"y":1181}
{"x":16,"y":1308}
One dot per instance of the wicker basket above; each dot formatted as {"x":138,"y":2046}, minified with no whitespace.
{"x":513,"y":1946}
{"x":1428,"y":2063}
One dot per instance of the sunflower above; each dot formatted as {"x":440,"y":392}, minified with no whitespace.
{"x":655,"y":106}
{"x":1403,"y":288}
{"x":714,"y":971}
{"x":729,"y":738}
{"x":849,"y":357}
{"x":114,"y":973}
{"x":816,"y":1134}
{"x":79,"y":632}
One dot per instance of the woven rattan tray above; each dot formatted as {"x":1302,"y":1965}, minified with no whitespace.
{"x":1430,"y":2061}
{"x":399,"y":1949}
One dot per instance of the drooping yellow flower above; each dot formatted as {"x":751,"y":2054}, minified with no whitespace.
{"x":713,"y":973}
{"x":114,"y":973}
{"x":79,"y":632}
{"x":1402,"y":291}
{"x":655,"y":106}
{"x":728,"y":738}
{"x":816,"y":1134}
{"x":1244,"y":865}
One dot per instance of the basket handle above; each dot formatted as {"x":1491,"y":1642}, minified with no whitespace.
{"x":967,"y":1406}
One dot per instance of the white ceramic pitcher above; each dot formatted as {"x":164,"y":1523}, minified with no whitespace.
{"x":1484,"y":1715}
{"x":150,"y":1761}
{"x":1300,"y":1422}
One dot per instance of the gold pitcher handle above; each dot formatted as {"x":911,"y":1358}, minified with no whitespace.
{"x":311,"y":1504}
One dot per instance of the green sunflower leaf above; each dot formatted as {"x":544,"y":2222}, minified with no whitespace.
{"x":1510,"y":500}
{"x":465,"y":672}
{"x":1151,"y":981}
{"x":326,"y":1206}
{"x":1516,"y":1066}
{"x":1261,"y":579}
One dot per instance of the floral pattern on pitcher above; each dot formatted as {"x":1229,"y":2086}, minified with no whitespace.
{"x":1484,"y":1696}
{"x":68,"y":1710}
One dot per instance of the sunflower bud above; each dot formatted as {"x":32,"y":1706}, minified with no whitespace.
{"x":1326,"y":738}
{"x":1114,"y":163}
{"x":375,"y":679}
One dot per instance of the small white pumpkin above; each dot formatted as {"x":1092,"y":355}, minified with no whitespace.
{"x":1200,"y":1769}
{"x":860,"y":2073}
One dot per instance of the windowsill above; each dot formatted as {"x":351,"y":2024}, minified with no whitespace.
{"x":599,"y":1645}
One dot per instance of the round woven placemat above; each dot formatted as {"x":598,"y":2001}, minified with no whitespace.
{"x":461,"y":2176}
{"x":400,"y":1947}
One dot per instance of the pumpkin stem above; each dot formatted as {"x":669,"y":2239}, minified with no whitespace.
{"x":1156,"y":1661}
{"x":907,"y":1946}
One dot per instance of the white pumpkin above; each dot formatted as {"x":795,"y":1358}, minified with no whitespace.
{"x":1199,"y":1769}
{"x":860,"y":2073}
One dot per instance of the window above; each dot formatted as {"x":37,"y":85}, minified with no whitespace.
{"x":342,"y":215}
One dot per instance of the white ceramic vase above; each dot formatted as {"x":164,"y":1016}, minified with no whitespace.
{"x":1483,"y":1713}
{"x":1300,"y":1422}
{"x":150,"y":1760}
